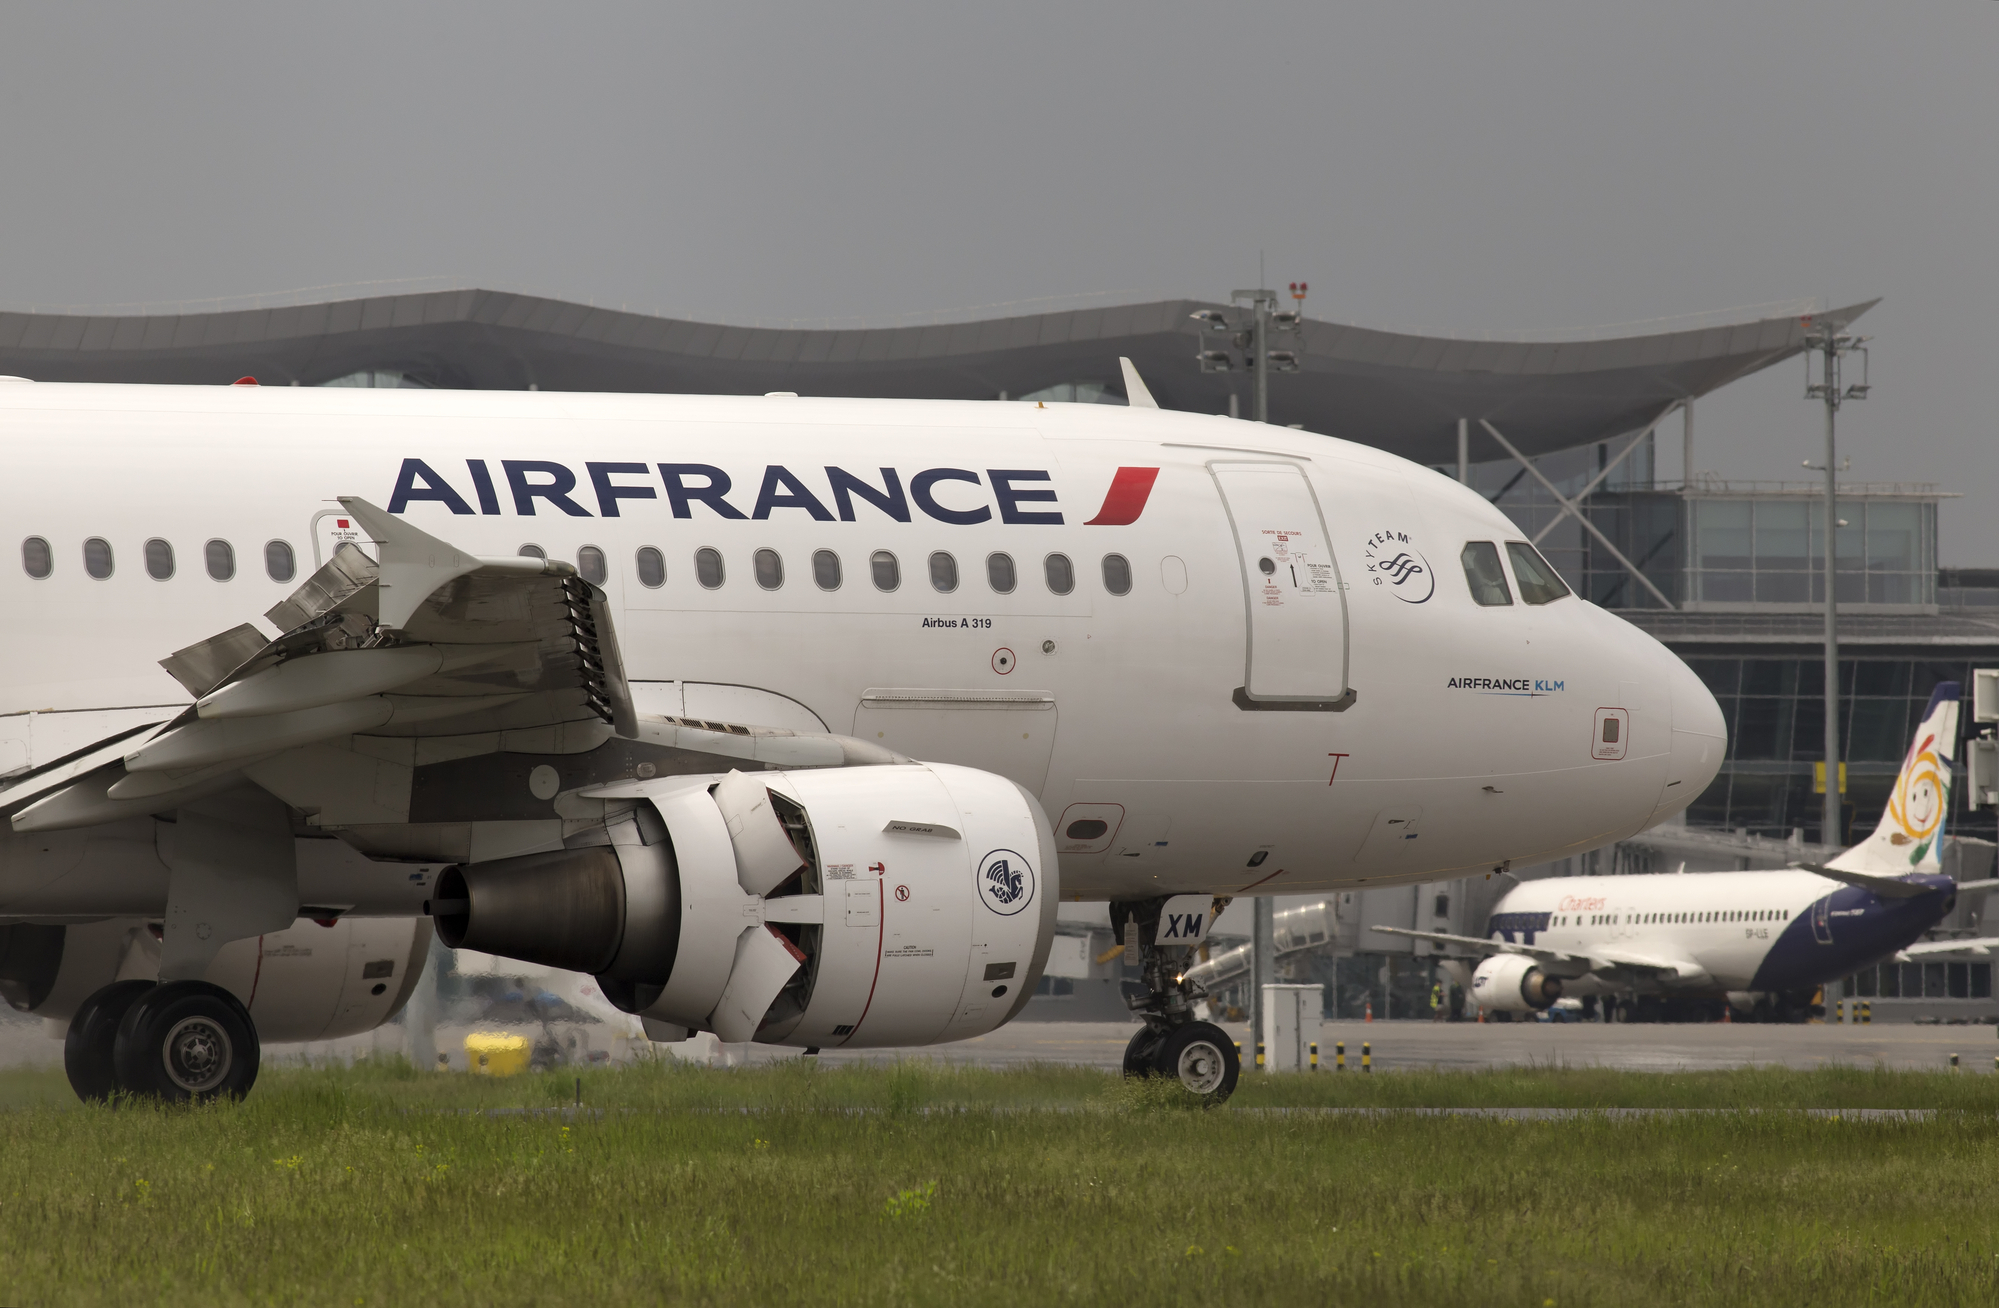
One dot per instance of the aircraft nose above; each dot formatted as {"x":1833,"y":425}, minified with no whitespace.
{"x":1700,"y":740}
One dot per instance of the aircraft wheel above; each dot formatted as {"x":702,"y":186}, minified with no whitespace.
{"x":86,"y":1050}
{"x":1138,"y":1055}
{"x":1202,"y":1058}
{"x":187,"y":1040}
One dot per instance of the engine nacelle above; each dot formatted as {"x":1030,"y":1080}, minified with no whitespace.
{"x":307,"y":982}
{"x":1514,"y":983}
{"x":891,"y":905}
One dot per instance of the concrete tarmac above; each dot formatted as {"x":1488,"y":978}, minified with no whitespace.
{"x":1464,"y":1046}
{"x":1456,"y":1046}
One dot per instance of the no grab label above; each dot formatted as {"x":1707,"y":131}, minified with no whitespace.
{"x":1006,"y":882}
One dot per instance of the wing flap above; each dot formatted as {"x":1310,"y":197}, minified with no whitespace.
{"x":1681,"y":969}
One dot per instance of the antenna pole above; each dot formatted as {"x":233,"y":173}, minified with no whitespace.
{"x":1832,"y":346}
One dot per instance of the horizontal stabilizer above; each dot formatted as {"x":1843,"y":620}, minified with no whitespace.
{"x":1984,"y":945}
{"x":1886,"y":887}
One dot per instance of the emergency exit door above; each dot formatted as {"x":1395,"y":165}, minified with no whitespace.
{"x":1297,"y":629}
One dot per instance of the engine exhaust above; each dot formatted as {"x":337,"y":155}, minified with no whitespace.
{"x":607,"y":910}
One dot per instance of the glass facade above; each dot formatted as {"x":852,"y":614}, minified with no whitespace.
{"x":373,"y":378}
{"x":1774,"y":708}
{"x":1718,"y":546}
{"x":1939,"y":980}
{"x":1076,"y":392}
{"x":1769,"y":551}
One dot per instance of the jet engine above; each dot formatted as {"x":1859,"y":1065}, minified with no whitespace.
{"x":311,"y":981}
{"x":1514,"y":983}
{"x":890,"y":905}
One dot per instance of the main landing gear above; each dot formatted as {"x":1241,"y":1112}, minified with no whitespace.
{"x":1172,"y":1044}
{"x":176,"y":1041}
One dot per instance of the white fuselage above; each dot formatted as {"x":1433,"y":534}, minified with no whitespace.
{"x":1738,"y":930}
{"x":1474,"y":734}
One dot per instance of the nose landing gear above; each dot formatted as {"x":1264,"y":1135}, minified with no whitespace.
{"x":179,"y":1041}
{"x":1172,"y":1044}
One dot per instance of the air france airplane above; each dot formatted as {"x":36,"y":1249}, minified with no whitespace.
{"x":1766,"y":940}
{"x":786,"y":719}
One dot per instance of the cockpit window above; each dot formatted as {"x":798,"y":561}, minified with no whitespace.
{"x":1539,"y":583}
{"x":1484,"y":575}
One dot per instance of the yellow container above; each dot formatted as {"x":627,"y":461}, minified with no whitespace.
{"x":492,"y":1053}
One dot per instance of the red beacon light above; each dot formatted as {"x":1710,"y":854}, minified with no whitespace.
{"x":244,"y":381}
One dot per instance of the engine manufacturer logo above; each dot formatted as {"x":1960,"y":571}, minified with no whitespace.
{"x":1006,"y":882}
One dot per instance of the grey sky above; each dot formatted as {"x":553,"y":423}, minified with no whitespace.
{"x":1456,"y":167}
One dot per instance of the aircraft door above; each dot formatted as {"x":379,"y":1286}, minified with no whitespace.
{"x":1822,"y":921}
{"x":1297,"y":621}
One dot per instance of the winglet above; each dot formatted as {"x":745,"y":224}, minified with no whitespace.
{"x":413,"y":563}
{"x":1135,"y":393}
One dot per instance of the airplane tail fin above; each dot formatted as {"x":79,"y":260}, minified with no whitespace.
{"x":1910,"y":834}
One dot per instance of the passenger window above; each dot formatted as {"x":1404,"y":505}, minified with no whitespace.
{"x":708,"y":567}
{"x":37,"y":559}
{"x":652,"y":567}
{"x":826,"y":569}
{"x":279,"y":563}
{"x":887,"y":572}
{"x":943,"y":572}
{"x":1061,"y":573}
{"x":999,"y":573}
{"x":159,"y":560}
{"x":532,"y":551}
{"x":1483,"y":574}
{"x":590,"y":565}
{"x":1539,"y":583}
{"x":1117,"y":574}
{"x":97,"y":557}
{"x":769,"y":569}
{"x":220,"y":556}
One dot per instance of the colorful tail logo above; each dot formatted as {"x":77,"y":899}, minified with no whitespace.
{"x":1912,"y":824}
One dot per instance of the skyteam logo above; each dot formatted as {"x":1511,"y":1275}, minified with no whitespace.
{"x":1392,"y":560}
{"x":1006,"y":882}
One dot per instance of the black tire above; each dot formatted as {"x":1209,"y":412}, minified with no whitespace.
{"x":86,"y":1050}
{"x":1202,"y":1058}
{"x":187,"y":1040}
{"x":1140,"y":1056}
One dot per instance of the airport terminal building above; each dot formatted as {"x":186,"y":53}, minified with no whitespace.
{"x":1561,"y":435}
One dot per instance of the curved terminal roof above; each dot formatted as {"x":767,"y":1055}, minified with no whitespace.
{"x":1394,"y":390}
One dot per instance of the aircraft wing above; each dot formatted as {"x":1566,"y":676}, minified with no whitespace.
{"x":1984,"y":945}
{"x":410,"y":689}
{"x":1475,"y":944}
{"x":1886,"y":887}
{"x":427,"y":640}
{"x":1598,"y":960}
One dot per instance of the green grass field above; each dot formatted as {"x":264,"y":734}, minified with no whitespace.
{"x":924,"y":1184}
